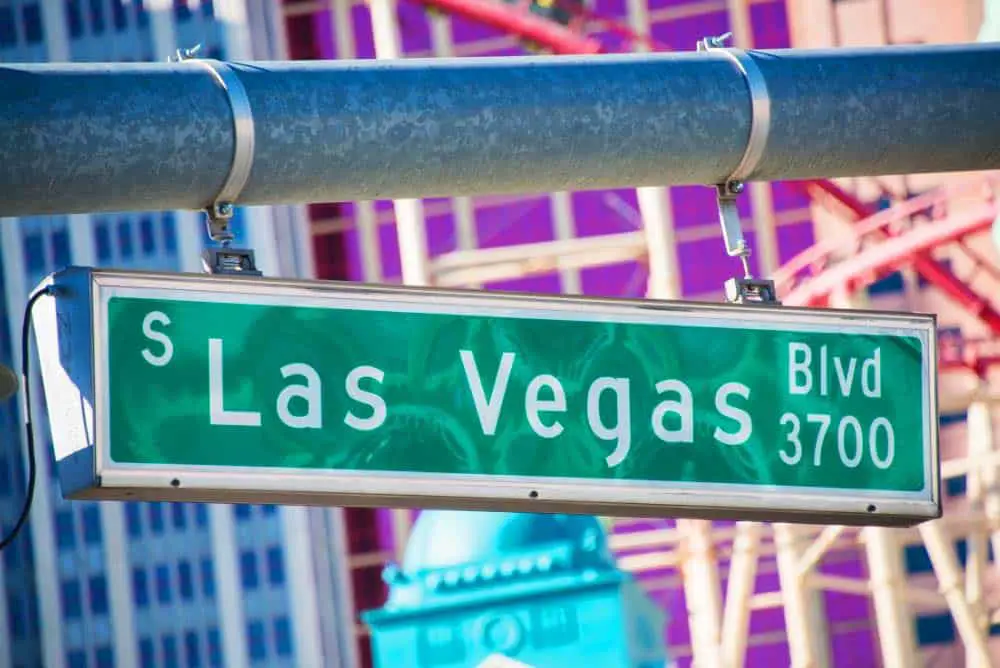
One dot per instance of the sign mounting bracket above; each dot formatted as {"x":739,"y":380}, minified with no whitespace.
{"x":745,"y":289}
{"x":224,"y":258}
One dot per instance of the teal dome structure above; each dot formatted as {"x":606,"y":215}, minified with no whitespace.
{"x":542,"y":589}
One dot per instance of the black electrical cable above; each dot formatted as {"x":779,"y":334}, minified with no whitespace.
{"x":29,"y":431}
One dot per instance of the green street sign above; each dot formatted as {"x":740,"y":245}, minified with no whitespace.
{"x":201,"y":388}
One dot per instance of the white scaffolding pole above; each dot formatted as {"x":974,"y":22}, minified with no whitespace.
{"x":463,"y":209}
{"x":979,"y":422}
{"x":561,"y":206}
{"x":414,"y":256}
{"x":808,"y":641}
{"x":739,"y":593}
{"x":888,"y":587}
{"x":949,"y":575}
{"x":702,"y":592}
{"x":765,"y":229}
{"x":654,"y":202}
{"x":364,"y":211}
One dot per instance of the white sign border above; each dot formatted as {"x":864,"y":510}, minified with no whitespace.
{"x":241,"y":481}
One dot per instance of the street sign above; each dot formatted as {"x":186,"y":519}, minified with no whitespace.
{"x":188,"y":387}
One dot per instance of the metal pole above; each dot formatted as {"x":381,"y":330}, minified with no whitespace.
{"x":78,"y":137}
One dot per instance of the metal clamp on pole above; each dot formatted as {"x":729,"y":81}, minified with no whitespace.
{"x":748,"y":288}
{"x":225,"y":259}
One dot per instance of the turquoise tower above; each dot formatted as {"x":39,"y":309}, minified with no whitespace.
{"x":541,"y":589}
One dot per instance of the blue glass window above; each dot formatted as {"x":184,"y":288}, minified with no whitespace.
{"x":181,"y":10}
{"x":32,"y":16}
{"x":201,"y":514}
{"x":256,"y":642}
{"x":34,"y":253}
{"x":60,"y":248}
{"x":72,"y":599}
{"x":935,"y":629}
{"x":76,"y":658}
{"x":65,"y":534}
{"x":242,"y":511}
{"x":12,"y":556}
{"x":169,"y":232}
{"x":118,"y":15}
{"x":140,"y":587}
{"x":163,"y":584}
{"x":8,"y":31}
{"x":147,"y":235}
{"x":102,"y":241}
{"x":282,"y":636}
{"x":178,"y":512}
{"x":156,"y":517}
{"x":169,"y":643}
{"x":98,"y":586}
{"x":191,"y":654}
{"x":248,"y":570}
{"x":957,"y":486}
{"x":5,"y":477}
{"x":207,"y":578}
{"x":104,"y":657}
{"x":97,"y":16}
{"x":15,"y":615}
{"x":141,"y":16}
{"x":125,"y":239}
{"x":214,"y":648}
{"x":269,"y":509}
{"x":91,"y":525}
{"x":74,"y":19}
{"x":184,"y":580}
{"x":275,"y":565}
{"x":133,"y":519}
{"x":147,"y":652}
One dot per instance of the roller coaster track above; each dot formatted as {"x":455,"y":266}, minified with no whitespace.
{"x":905,"y":235}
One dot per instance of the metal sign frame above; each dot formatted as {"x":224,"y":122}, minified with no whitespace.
{"x":77,"y":390}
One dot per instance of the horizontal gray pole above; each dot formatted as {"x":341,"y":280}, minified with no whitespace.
{"x":123,"y":137}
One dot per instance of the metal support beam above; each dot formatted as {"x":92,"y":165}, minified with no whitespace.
{"x":78,"y":137}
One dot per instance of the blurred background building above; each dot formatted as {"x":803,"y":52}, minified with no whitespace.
{"x":107,"y":584}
